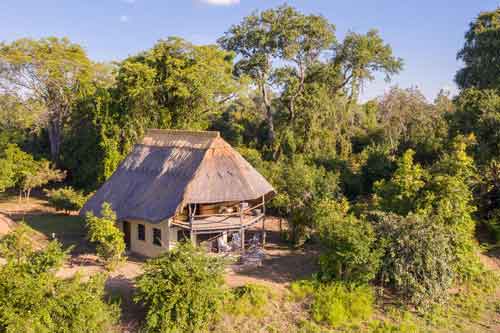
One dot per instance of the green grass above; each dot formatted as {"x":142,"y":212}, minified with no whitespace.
{"x":61,"y":225}
{"x":249,"y":300}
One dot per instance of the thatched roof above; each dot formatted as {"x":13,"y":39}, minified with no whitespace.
{"x":170,"y":169}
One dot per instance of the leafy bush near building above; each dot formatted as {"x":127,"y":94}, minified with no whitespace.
{"x":181,"y":290}
{"x":106,"y":235}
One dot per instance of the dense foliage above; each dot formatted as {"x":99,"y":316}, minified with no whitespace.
{"x":182,"y":290}
{"x":66,"y":199}
{"x":19,"y":169}
{"x":33,"y":299}
{"x":417,"y":259}
{"x":104,"y":232}
{"x":349,"y":252}
{"x":392,"y":188}
{"x":336,"y":304}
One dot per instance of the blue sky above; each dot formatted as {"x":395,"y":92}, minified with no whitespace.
{"x":426,"y":33}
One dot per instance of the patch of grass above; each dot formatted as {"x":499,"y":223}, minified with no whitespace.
{"x":339,"y":304}
{"x":302,"y":289}
{"x":468,"y":307}
{"x":59,"y":224}
{"x":250,"y":300}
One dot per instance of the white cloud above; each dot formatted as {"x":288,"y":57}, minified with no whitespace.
{"x":221,"y":2}
{"x":124,"y":18}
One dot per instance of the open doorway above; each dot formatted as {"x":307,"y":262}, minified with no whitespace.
{"x":126,"y":233}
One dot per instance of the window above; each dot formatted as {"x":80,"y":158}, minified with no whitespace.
{"x":156,"y":236}
{"x":141,"y":232}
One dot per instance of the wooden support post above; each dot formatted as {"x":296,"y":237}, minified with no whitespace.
{"x":242,"y":229}
{"x":192,"y":234}
{"x":263,"y":221}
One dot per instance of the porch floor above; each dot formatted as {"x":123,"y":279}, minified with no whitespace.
{"x":213,"y":224}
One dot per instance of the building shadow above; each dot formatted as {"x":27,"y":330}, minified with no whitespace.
{"x":122,"y":289}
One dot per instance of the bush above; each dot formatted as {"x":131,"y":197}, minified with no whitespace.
{"x":249,"y":300}
{"x":418,"y":257}
{"x":33,"y":299}
{"x":302,"y":289}
{"x":108,"y":237}
{"x":182,"y":290}
{"x":348,"y":244}
{"x":339,"y":304}
{"x":66,"y":199}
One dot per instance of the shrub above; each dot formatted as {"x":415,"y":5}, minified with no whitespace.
{"x":339,"y":304}
{"x":302,"y":289}
{"x":107,"y":236}
{"x":17,"y":247}
{"x":348,"y":244}
{"x":418,"y":257}
{"x":182,"y":290}
{"x":33,"y":299}
{"x":66,"y":199}
{"x":249,"y":300}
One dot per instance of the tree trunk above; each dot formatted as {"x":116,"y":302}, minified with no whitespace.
{"x":291,"y":104}
{"x":271,"y":135}
{"x":54,"y":130}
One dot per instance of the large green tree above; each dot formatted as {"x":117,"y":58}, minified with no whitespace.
{"x":51,"y":71}
{"x":301,"y":72}
{"x":480,"y":53}
{"x":175,"y":84}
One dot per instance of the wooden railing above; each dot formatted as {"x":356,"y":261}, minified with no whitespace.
{"x":200,"y":220}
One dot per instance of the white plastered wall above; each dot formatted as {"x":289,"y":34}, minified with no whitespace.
{"x":146,"y":247}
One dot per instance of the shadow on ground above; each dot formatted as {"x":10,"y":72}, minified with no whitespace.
{"x":121,"y":288}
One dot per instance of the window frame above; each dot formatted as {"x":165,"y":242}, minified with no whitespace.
{"x":141,"y":227}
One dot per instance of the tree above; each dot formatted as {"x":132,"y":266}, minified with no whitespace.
{"x":301,"y":40}
{"x":18,"y":123}
{"x":253,"y":39}
{"x":478,"y":113}
{"x":175,"y":84}
{"x":25,"y":172}
{"x":107,"y":236}
{"x":182,"y":290}
{"x":400,"y":193}
{"x":299,"y":185}
{"x":408,"y":119}
{"x":359,"y":56}
{"x":40,"y":176}
{"x":66,"y":199}
{"x":418,"y":257}
{"x":288,"y":57}
{"x":348,"y":243}
{"x":51,"y":71}
{"x":6,"y":175}
{"x":480,"y":53}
